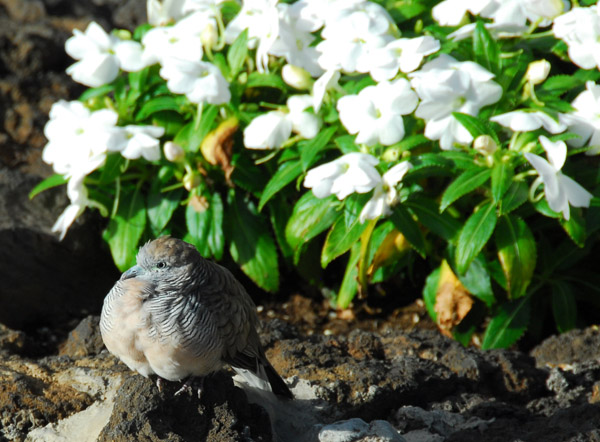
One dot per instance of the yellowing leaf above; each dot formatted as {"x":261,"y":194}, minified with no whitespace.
{"x":393,"y":247}
{"x":453,"y":300}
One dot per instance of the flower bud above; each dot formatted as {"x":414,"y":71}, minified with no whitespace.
{"x":209,"y":36}
{"x":296,"y":77}
{"x":191,"y":181}
{"x":537,"y":71}
{"x":173,"y":152}
{"x":485,"y":145}
{"x":391,"y":154}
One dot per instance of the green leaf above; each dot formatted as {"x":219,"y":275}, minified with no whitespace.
{"x":516,"y":194}
{"x":466,"y":182}
{"x":502,"y":175}
{"x":508,"y":325}
{"x":161,"y":206}
{"x":340,"y":239}
{"x":310,"y":148}
{"x":310,"y":217}
{"x":161,"y":103}
{"x":430,"y":160}
{"x":430,"y":292}
{"x":474,"y":235}
{"x":559,"y":84}
{"x":564,"y":307}
{"x":346,"y":144}
{"x":52,"y":181}
{"x":125,"y":229}
{"x":198,"y":225}
{"x":464,"y":330}
{"x":236,"y":55}
{"x":349,"y":285}
{"x":428,"y":214}
{"x":279,"y":213}
{"x":216,"y":239}
{"x":477,"y":281}
{"x":404,"y":222}
{"x":517,"y":254}
{"x":461,"y":160}
{"x":473,"y":124}
{"x":575,"y":226}
{"x":413,"y":141}
{"x":97,"y":92}
{"x":256,"y":79}
{"x":286,"y":173}
{"x":112,"y":168}
{"x":486,"y":49}
{"x":251,"y":244}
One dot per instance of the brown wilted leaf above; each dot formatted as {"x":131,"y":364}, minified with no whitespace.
{"x":217,"y":146}
{"x":199,"y":203}
{"x":453,"y":300}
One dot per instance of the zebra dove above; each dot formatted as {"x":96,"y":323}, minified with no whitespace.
{"x":178,"y":316}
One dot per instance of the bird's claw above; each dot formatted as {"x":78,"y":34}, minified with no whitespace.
{"x":188,"y":387}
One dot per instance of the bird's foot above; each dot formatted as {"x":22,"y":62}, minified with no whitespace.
{"x":190,"y":384}
{"x":160,"y":383}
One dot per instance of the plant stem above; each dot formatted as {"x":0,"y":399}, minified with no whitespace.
{"x":363,"y":261}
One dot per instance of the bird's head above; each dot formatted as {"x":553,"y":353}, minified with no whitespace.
{"x":166,"y":262}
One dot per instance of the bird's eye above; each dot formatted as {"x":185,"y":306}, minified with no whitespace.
{"x":161,"y":265}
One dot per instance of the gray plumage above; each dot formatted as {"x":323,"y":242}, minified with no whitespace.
{"x":176,"y":315}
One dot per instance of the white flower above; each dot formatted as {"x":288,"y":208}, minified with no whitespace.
{"x":304,"y":123}
{"x":268,"y":131}
{"x":78,"y":138}
{"x":405,"y":54}
{"x":294,"y":44}
{"x":560,"y":190}
{"x":446,"y":85}
{"x":585,"y":119}
{"x":353,"y":172}
{"x":525,"y":121}
{"x":311,"y":15}
{"x":101,"y":56}
{"x":329,"y":80}
{"x":352,"y":36}
{"x":200,"y":81}
{"x":161,"y":12}
{"x":537,"y":71}
{"x":580,"y":30}
{"x":137,"y":141}
{"x":261,"y":19}
{"x":77,"y":194}
{"x":451,"y":12}
{"x":375,"y":114}
{"x":182,"y":41}
{"x":385,"y":193}
{"x":271,"y":130}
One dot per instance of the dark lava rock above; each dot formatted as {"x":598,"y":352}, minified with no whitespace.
{"x":142,"y":413}
{"x":84,"y":340}
{"x":569,"y":348}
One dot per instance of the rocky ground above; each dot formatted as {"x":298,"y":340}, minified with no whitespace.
{"x":355,"y":378}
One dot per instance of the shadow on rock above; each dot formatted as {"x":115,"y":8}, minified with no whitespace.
{"x":223,"y":413}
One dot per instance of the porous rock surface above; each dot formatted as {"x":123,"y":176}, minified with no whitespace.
{"x":402,"y":386}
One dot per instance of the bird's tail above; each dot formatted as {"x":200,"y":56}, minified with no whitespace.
{"x":265,"y":378}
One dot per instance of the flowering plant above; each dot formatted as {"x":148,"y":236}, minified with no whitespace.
{"x":372,"y":134}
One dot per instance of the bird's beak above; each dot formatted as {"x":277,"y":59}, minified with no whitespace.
{"x":131,"y":273}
